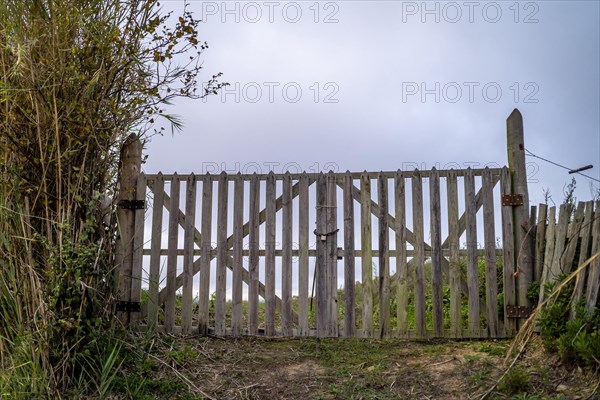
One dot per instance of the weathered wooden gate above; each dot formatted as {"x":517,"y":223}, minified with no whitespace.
{"x":279,"y":254}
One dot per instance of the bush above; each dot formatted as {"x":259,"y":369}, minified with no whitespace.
{"x":553,"y":317}
{"x":576,"y":340}
{"x":580,"y":341}
{"x":77,"y":78}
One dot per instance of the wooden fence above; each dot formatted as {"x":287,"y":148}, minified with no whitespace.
{"x":342,"y":254}
{"x":563,"y":246}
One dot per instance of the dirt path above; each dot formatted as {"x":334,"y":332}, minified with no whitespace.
{"x":350,"y":369}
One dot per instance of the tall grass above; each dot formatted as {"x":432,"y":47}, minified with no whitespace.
{"x":76,"y":78}
{"x":24,"y":361}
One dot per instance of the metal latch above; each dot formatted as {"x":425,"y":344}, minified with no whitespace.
{"x":512,"y":200}
{"x":323,"y":236}
{"x":132,"y":204}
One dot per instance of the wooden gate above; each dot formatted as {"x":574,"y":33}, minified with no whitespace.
{"x":293,"y":254}
{"x":433,"y":283}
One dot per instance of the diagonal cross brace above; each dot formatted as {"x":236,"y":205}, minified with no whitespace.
{"x":197,"y":240}
{"x":410,"y":238}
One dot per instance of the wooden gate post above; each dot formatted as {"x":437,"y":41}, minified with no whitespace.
{"x":323,"y":309}
{"x":129,"y":171}
{"x":332,"y":254}
{"x":326,"y":276}
{"x":523,"y":239}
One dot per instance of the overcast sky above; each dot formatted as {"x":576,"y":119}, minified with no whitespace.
{"x":386,"y":85}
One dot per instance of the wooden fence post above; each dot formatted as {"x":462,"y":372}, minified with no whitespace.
{"x":522,"y":237}
{"x":129,"y":170}
{"x":323,"y":309}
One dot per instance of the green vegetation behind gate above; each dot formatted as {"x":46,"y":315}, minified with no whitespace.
{"x":359,"y":302}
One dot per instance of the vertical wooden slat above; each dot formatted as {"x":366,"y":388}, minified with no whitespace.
{"x":270,"y":256}
{"x":221,"y":255}
{"x":188,"y":255}
{"x":436,"y":252}
{"x":303,"y":257}
{"x":401,"y":265}
{"x":172,"y":255}
{"x":569,"y":254}
{"x":154,"y":275}
{"x":453,"y":247}
{"x":508,"y":253}
{"x":254,"y":256}
{"x":549,"y":251}
{"x":286,"y":259}
{"x":205,"y":256}
{"x":238,"y":259}
{"x":349,"y":268}
{"x":584,"y":253}
{"x":366,"y":255}
{"x":138,"y":248}
{"x":491,"y":275}
{"x":593,"y":281}
{"x":419,"y":253}
{"x":560,"y":241}
{"x":532,"y":233}
{"x":322,"y":284}
{"x":384,"y":258}
{"x":472,"y":261}
{"x":540,"y":240}
{"x":331,"y":215}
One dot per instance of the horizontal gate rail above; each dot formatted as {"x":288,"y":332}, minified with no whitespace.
{"x":340,"y":176}
{"x":313,"y":253}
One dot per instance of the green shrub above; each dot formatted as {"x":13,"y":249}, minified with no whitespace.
{"x":533,"y":294}
{"x":515,"y":381}
{"x":580,"y":341}
{"x":577,"y":340}
{"x":553,"y":317}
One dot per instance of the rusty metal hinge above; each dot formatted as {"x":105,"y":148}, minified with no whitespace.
{"x":129,"y":306}
{"x":512,"y":200}
{"x":517,"y":311}
{"x":132,"y":204}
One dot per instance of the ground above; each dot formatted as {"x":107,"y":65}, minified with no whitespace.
{"x":254,"y":368}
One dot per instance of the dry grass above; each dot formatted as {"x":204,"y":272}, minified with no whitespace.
{"x":254,"y":368}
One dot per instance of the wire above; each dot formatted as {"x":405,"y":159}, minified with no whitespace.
{"x":562,"y":166}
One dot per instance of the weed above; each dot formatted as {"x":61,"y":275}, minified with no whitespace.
{"x":479,"y":377}
{"x":515,"y":381}
{"x":182,"y":356}
{"x":525,"y":396}
{"x":140,"y":388}
{"x":472,"y":358}
{"x":492,"y":350}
